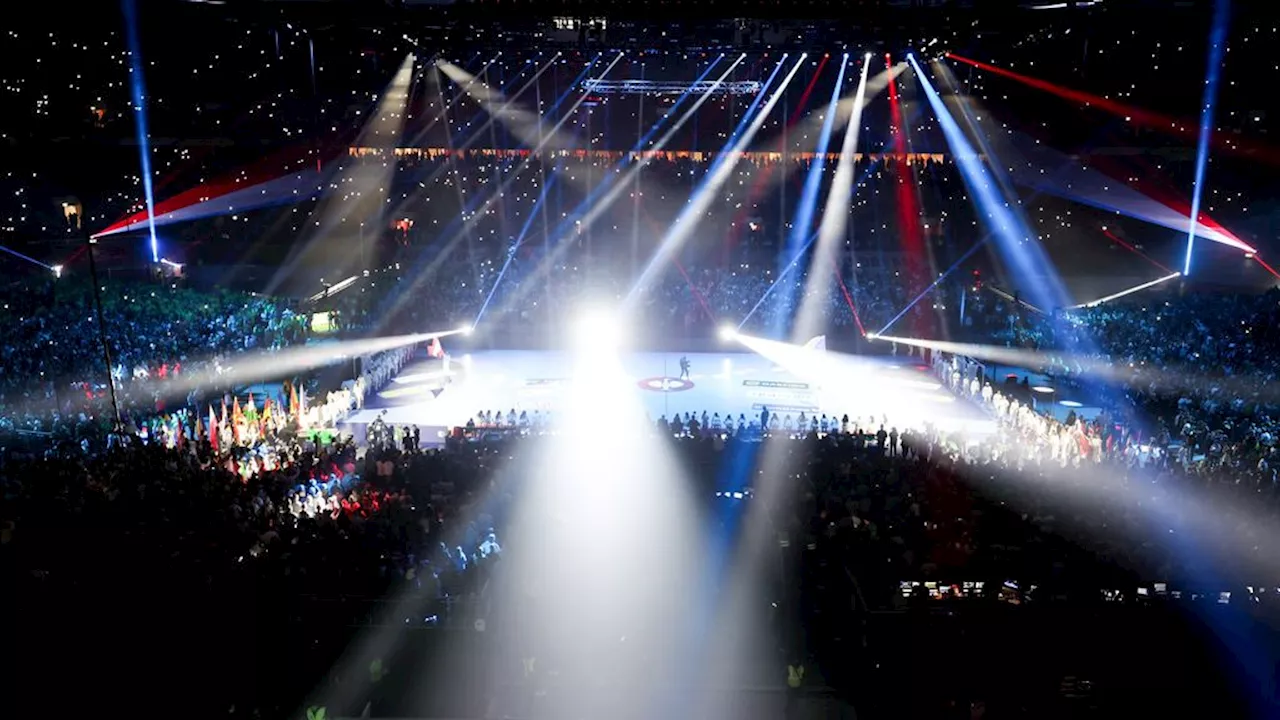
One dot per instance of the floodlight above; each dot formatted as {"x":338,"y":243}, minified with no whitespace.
{"x":597,"y":330}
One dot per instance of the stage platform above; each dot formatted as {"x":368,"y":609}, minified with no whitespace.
{"x":429,"y":395}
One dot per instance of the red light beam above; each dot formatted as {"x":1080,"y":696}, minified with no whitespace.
{"x":1178,"y":127}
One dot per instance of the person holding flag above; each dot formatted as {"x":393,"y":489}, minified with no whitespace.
{"x":213,"y":429}
{"x":237,"y":420}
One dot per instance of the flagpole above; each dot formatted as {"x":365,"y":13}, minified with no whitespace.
{"x":102,"y":328}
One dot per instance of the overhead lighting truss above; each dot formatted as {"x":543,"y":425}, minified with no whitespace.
{"x":660,"y":87}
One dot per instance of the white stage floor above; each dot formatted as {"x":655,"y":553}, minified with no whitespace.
{"x":727,"y":383}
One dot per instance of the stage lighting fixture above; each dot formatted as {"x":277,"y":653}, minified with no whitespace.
{"x":599,"y":331}
{"x":728,"y":333}
{"x":57,"y":270}
{"x":465,"y":330}
{"x":872,"y":336}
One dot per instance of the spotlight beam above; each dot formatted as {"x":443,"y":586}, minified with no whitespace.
{"x":1217,"y":48}
{"x":812,"y":238}
{"x":328,"y":243}
{"x":835,"y":220}
{"x":138,"y":87}
{"x":511,"y":254}
{"x":907,"y":191}
{"x":1014,"y":239}
{"x":420,"y":137}
{"x":475,"y":134}
{"x":472,"y":213}
{"x":803,"y":218}
{"x":1177,"y":127}
{"x":1130,"y":291}
{"x":254,"y":367}
{"x":1135,"y":251}
{"x":1163,"y":380}
{"x":521,"y":122}
{"x":621,"y":183}
{"x":761,"y":181}
{"x":31,"y":260}
{"x":538,"y":139}
{"x":582,"y":207}
{"x":795,"y":260}
{"x":585,"y":205}
{"x":705,"y":194}
{"x":941,"y":276}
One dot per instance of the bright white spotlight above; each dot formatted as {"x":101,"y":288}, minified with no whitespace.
{"x":872,"y":336}
{"x":465,"y":330}
{"x":57,"y":271}
{"x":728,"y":333}
{"x":598,"y":331}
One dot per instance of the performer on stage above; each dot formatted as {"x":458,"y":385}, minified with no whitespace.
{"x":684,"y":367}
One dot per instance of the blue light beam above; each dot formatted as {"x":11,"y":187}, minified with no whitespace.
{"x":706,"y":192}
{"x":808,"y":243}
{"x":511,"y":254}
{"x":795,"y":260}
{"x":1018,"y":245}
{"x":1217,"y":47}
{"x":139,"y":88}
{"x":803,"y":219}
{"x":941,"y":276}
{"x":32,"y":260}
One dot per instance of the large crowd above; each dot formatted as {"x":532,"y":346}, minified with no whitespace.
{"x":265,"y":507}
{"x":296,"y":542}
{"x":227,"y":552}
{"x":53,"y":376}
{"x":1192,"y":373}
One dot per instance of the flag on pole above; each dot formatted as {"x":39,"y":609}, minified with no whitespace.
{"x":237,"y":419}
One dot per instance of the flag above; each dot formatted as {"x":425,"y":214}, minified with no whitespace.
{"x":265,"y":420}
{"x":251,"y":412}
{"x":237,"y":415}
{"x":213,"y":426}
{"x":294,"y":409}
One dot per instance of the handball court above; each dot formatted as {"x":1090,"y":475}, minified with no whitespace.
{"x":437,"y":395}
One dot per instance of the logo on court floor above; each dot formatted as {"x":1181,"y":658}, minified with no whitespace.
{"x":665,"y":384}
